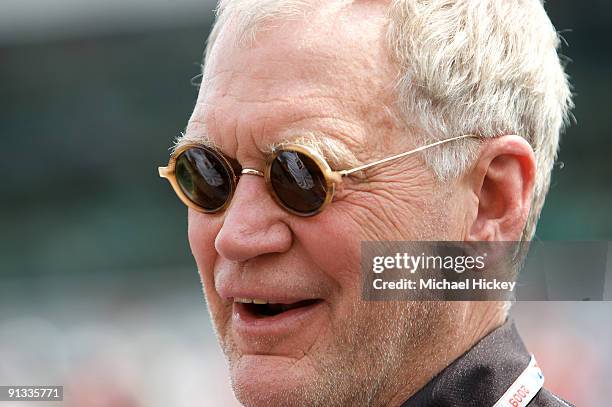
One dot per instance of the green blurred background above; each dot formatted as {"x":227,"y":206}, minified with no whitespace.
{"x":97,"y":283}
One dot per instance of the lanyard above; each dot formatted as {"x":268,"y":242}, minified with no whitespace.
{"x":524,"y":388}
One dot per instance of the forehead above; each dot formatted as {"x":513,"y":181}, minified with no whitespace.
{"x":328,"y":72}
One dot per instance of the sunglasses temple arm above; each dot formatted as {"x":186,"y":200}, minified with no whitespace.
{"x":344,"y":173}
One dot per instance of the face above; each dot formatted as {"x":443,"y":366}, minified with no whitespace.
{"x":315,"y":342}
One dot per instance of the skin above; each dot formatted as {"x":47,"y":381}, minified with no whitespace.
{"x":335,"y":78}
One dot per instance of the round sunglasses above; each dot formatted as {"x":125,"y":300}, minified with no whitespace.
{"x":298,"y":177}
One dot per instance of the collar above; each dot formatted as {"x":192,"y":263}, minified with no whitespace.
{"x":480,"y":376}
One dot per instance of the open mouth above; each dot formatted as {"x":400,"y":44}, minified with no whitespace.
{"x":262,"y":309}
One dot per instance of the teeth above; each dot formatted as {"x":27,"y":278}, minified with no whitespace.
{"x":250,"y":300}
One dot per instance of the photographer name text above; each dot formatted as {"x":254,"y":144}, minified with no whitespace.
{"x":443,"y":284}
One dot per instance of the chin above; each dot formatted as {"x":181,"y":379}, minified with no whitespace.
{"x":271,"y":381}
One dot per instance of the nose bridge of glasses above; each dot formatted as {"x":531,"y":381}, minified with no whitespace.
{"x":251,"y":171}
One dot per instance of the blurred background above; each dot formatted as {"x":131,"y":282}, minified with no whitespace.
{"x":98,"y":290}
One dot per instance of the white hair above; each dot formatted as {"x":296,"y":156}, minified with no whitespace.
{"x":249,"y":15}
{"x":486,"y":67}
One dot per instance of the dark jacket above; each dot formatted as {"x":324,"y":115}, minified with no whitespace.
{"x":482,"y":375}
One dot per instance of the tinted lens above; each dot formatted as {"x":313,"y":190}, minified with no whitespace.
{"x":298,"y":182}
{"x":204,"y":177}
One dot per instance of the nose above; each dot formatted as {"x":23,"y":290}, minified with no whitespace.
{"x":253,"y":224}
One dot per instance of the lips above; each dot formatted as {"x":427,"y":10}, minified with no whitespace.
{"x":257,"y":308}
{"x":252,"y":321}
{"x":255,"y":317}
{"x":272,"y":305}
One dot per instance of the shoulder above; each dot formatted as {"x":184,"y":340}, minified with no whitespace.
{"x":545,"y":398}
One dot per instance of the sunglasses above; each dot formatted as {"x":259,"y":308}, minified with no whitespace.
{"x":298,"y":177}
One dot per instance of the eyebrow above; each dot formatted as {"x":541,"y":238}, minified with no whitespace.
{"x":191,"y":139}
{"x":336,"y":153}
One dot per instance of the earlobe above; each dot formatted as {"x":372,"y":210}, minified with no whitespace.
{"x":502,"y":182}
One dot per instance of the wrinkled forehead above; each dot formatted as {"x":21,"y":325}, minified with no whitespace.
{"x":329,"y":62}
{"x":348,"y":33}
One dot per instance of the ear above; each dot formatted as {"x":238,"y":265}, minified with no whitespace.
{"x":501,"y":183}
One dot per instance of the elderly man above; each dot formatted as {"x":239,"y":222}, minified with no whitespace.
{"x":290,"y":161}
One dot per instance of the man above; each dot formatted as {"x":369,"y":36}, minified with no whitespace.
{"x":355,"y":82}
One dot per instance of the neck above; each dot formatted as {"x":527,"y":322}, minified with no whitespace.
{"x":474,"y":321}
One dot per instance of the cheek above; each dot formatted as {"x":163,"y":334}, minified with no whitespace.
{"x":202,"y":231}
{"x":405,"y":212}
{"x":332,"y":241}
